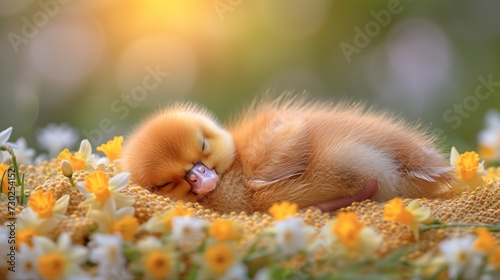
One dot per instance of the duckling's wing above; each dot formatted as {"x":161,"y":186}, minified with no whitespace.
{"x":284,"y":153}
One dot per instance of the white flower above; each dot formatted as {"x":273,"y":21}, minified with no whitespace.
{"x":109,"y":215}
{"x":263,"y":274}
{"x":100,"y":161}
{"x":489,"y":137}
{"x":156,"y":261}
{"x":349,"y":239}
{"x":54,"y":138}
{"x":41,"y":158}
{"x":39,"y":204}
{"x":24,"y":155}
{"x":461,"y":257}
{"x":236,"y":272}
{"x":469,"y":169}
{"x":148,"y":244}
{"x":427,"y":265}
{"x":291,"y":235}
{"x":29,"y":224}
{"x":4,"y":245}
{"x":187,"y":229}
{"x":107,"y":252}
{"x":115,"y":185}
{"x":58,"y":260}
{"x":4,"y":137}
{"x":26,"y":266}
{"x":492,"y":118}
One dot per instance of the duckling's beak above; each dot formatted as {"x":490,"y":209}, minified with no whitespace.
{"x":201,"y":178}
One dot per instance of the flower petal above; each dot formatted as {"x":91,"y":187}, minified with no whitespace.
{"x":85,"y":149}
{"x":119,"y":181}
{"x":78,"y":254}
{"x":81,"y":188}
{"x":43,"y":244}
{"x":123,"y":200}
{"x":454,"y":155}
{"x":492,"y":118}
{"x":61,"y":205}
{"x":63,"y":241}
{"x":4,"y":135}
{"x":125,"y":211}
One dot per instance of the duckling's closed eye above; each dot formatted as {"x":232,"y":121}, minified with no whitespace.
{"x":204,"y":146}
{"x":159,"y":187}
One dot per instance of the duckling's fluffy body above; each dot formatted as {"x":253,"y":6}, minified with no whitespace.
{"x":326,"y":156}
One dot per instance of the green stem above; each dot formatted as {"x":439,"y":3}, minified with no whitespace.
{"x":492,"y":228}
{"x":16,"y":170}
{"x":72,"y":182}
{"x":14,"y":163}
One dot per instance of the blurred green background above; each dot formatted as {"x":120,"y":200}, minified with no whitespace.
{"x":103,"y":65}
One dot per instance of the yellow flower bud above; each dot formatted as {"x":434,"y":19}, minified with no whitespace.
{"x":66,"y":168}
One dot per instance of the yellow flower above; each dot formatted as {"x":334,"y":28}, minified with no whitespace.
{"x":394,"y":211}
{"x":5,"y":182}
{"x":468,"y":163}
{"x":413,"y":215}
{"x":347,"y":228}
{"x":25,"y":236}
{"x":492,"y":174}
{"x":112,"y":149}
{"x":430,"y":265}
{"x":224,"y":230}
{"x":97,"y":183}
{"x":162,"y":223}
{"x":179,"y":210}
{"x":58,"y":260}
{"x":29,"y":225}
{"x":45,"y":205}
{"x":219,"y":258}
{"x":485,"y":240}
{"x":494,"y":258}
{"x":110,"y":220}
{"x":468,"y":168}
{"x":79,"y":160}
{"x":42,"y":203}
{"x":98,"y":190}
{"x":158,"y":264}
{"x":77,"y":163}
{"x":156,"y":260}
{"x":356,"y":240}
{"x":487,"y":152}
{"x":283,"y":210}
{"x":51,"y":266}
{"x":127,"y":227}
{"x":489,"y":138}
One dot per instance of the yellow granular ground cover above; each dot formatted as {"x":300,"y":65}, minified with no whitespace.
{"x":480,"y":206}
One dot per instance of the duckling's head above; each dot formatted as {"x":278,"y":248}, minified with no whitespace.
{"x":179,"y":153}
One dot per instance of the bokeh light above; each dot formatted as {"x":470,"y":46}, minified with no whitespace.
{"x":157,"y":67}
{"x":10,"y":7}
{"x":418,"y":63}
{"x":84,"y":61}
{"x":68,"y":51}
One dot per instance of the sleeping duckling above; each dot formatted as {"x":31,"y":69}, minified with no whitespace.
{"x":326,"y":156}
